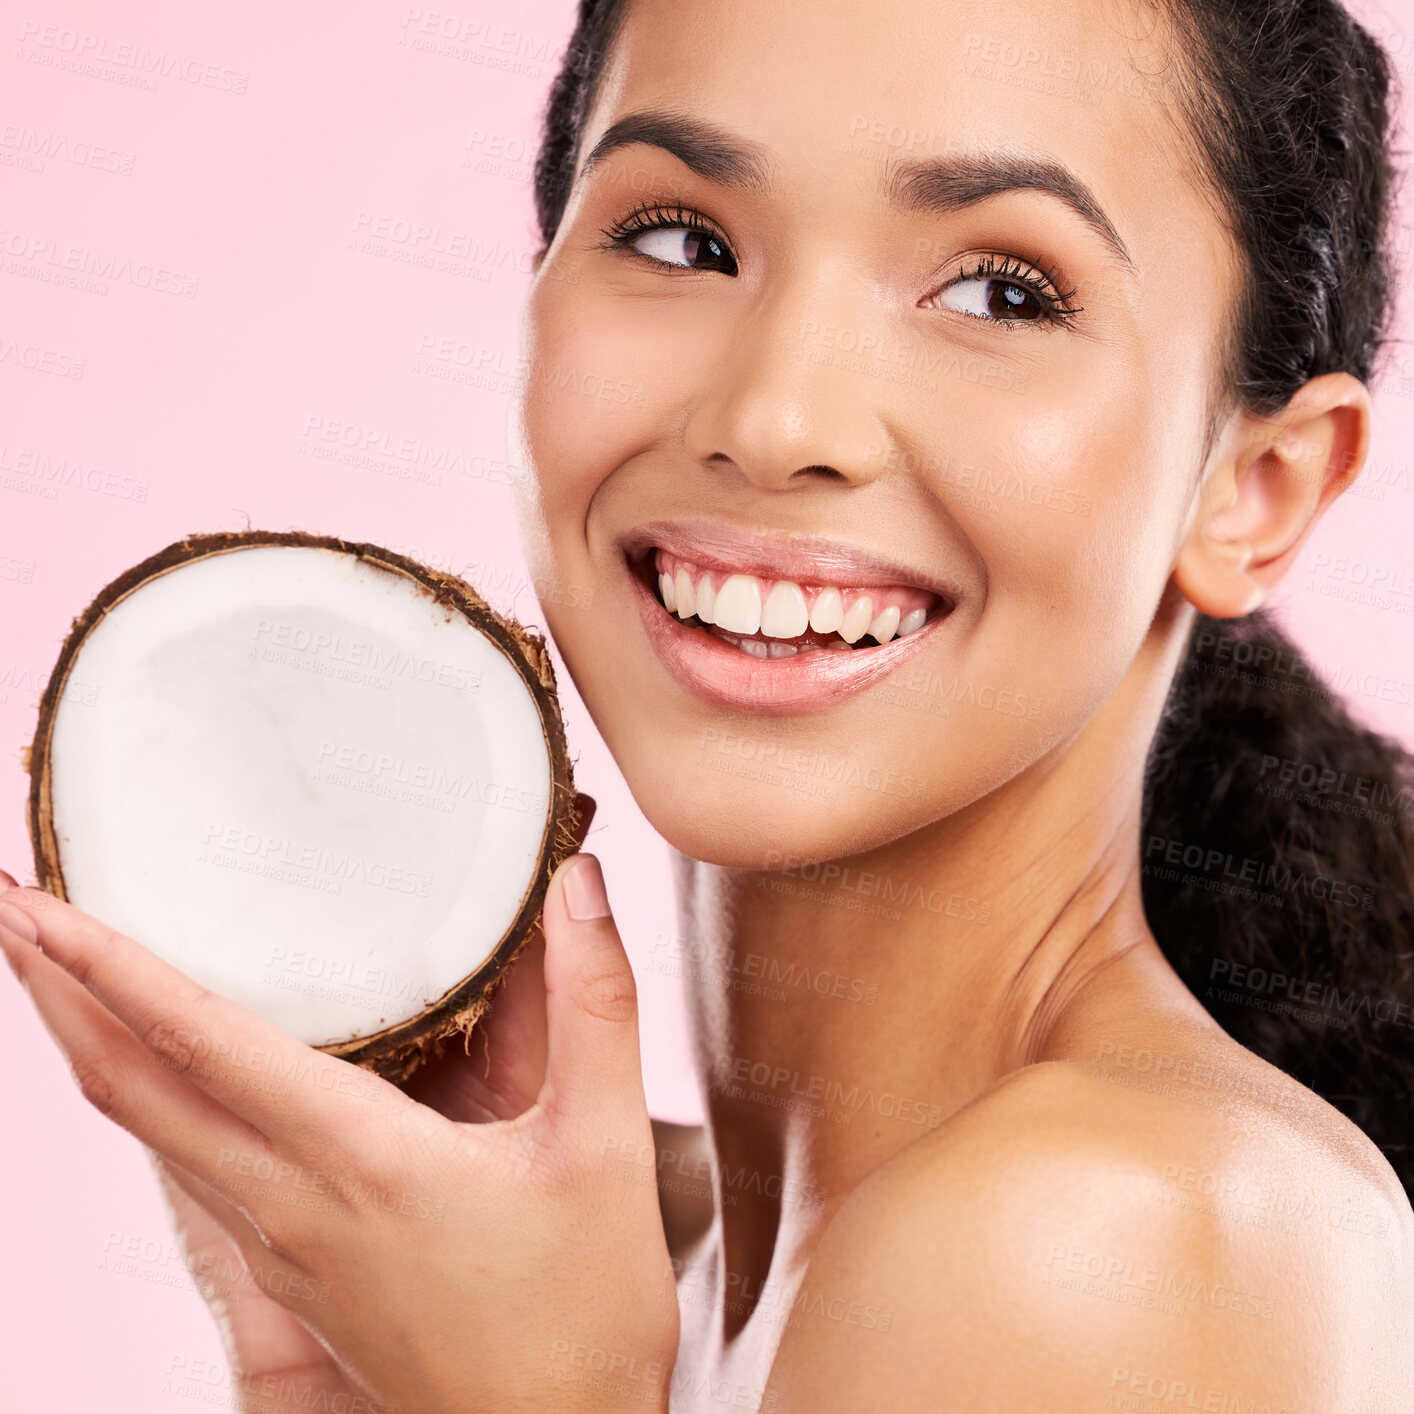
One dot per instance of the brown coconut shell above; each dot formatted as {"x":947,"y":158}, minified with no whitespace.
{"x":397,"y":1051}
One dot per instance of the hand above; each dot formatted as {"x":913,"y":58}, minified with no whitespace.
{"x":272,"y":1357}
{"x":441,"y":1265}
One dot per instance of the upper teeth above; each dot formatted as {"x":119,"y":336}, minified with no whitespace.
{"x":738,"y":604}
{"x":781,"y":608}
{"x":685,"y":599}
{"x":827,"y":612}
{"x":784,"y":614}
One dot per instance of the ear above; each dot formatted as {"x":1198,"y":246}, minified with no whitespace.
{"x":1267,"y":493}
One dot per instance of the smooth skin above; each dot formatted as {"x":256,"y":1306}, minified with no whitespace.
{"x":1044,"y":1239}
{"x":1032,"y":1019}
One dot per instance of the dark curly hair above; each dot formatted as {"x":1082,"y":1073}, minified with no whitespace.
{"x":1278,"y":833}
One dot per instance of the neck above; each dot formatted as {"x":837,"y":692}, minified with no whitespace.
{"x":842,"y":1009}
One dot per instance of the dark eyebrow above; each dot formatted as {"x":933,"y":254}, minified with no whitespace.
{"x":942,"y":184}
{"x":930,"y":185}
{"x":710,"y":151}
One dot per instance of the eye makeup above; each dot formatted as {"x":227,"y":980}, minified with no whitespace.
{"x":1014,"y":292}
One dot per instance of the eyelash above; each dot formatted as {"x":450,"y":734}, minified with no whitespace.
{"x":655,"y":216}
{"x":1012,"y":271}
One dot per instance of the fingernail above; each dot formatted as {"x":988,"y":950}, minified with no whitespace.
{"x":584,"y":889}
{"x":19,"y":923}
{"x":9,"y":880}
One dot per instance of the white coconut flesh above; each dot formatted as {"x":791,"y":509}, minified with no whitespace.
{"x":302,"y":781}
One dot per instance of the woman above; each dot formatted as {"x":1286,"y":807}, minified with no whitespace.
{"x":996,"y":365}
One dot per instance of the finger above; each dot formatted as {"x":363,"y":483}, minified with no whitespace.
{"x":297,"y":1096}
{"x":594,"y":1073}
{"x":120,"y":1078}
{"x":232,"y":1270}
{"x":212,"y":1233}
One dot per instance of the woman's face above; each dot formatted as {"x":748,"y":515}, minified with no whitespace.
{"x":855,"y":331}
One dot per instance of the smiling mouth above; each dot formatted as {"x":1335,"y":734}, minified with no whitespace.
{"x":782,"y":618}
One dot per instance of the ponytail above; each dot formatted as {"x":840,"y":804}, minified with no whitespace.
{"x":1277,"y":856}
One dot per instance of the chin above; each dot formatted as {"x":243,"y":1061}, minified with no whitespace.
{"x":716,"y":802}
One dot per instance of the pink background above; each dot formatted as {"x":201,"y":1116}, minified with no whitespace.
{"x":132,"y":415}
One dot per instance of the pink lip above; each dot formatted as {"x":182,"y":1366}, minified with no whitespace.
{"x":721,"y":674}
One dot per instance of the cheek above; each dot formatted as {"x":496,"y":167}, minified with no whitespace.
{"x":1067,"y":492}
{"x":1093,"y":528}
{"x":597,"y":366}
{"x":572,"y":430}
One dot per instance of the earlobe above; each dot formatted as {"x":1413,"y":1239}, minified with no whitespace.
{"x":1214,"y":576}
{"x":1262,"y":501}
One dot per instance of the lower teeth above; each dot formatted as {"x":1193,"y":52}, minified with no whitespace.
{"x":761,"y":648}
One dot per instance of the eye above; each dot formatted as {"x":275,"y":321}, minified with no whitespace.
{"x":1004,"y":293}
{"x":684,"y":246}
{"x":672,"y":237}
{"x":989,"y":298}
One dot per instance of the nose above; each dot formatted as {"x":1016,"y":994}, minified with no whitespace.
{"x":787,"y":408}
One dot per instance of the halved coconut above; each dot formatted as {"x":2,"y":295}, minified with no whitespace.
{"x":319,"y":778}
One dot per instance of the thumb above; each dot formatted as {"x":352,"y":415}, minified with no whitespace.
{"x":593,"y":1073}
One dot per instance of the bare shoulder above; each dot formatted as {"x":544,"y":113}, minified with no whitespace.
{"x":1213,"y":1239}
